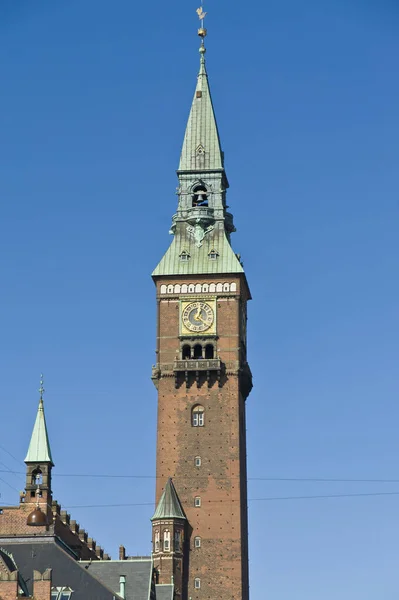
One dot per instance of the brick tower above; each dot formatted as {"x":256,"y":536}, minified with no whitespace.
{"x":202,"y":374}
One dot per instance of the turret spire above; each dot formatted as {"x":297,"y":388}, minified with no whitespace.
{"x":169,"y":506}
{"x":39,"y":450}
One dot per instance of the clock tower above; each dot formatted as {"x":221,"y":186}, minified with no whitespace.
{"x":202,"y":377}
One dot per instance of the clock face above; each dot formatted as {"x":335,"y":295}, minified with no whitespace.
{"x":198,"y":316}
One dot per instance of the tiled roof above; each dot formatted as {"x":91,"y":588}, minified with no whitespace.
{"x":66,"y":571}
{"x":164,"y":591}
{"x":137,"y":572}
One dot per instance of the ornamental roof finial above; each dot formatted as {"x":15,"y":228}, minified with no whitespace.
{"x":41,"y":390}
{"x":202,"y":32}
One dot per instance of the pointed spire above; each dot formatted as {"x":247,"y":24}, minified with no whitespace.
{"x":39,"y":450}
{"x":201,"y":147}
{"x":169,"y":506}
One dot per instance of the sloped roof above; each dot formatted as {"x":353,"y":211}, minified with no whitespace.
{"x":164,"y":591}
{"x":201,"y":130}
{"x":169,"y":506}
{"x":66,"y":571}
{"x":39,"y":448}
{"x":199,"y":262}
{"x":138,"y":574}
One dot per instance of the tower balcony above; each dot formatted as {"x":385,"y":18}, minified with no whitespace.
{"x":189,"y":370}
{"x":198,"y":369}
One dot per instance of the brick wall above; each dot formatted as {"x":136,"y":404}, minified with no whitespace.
{"x":221,"y":562}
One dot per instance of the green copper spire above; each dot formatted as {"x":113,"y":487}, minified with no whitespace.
{"x":201,"y":147}
{"x":169,"y":506}
{"x":39,"y":450}
{"x":201,"y":225}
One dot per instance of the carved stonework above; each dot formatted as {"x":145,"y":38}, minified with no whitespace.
{"x":198,"y":233}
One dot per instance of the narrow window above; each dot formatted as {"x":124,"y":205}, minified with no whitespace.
{"x":198,"y":417}
{"x":197,"y":542}
{"x":157,"y":541}
{"x":166,"y":541}
{"x":186,"y":352}
{"x":197,"y":501}
{"x":198,"y":351}
{"x":197,"y":461}
{"x":209,"y":351}
{"x":37,"y":477}
{"x":177,"y":541}
{"x":197,"y":583}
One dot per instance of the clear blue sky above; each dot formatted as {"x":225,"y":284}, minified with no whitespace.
{"x":95,"y":97}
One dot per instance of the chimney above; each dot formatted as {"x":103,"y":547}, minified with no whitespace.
{"x":122,"y":553}
{"x":122,"y":586}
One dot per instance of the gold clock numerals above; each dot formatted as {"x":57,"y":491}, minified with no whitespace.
{"x":197,"y":316}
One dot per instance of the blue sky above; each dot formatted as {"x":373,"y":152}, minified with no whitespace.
{"x":95,"y":97}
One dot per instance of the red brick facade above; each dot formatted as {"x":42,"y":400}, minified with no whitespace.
{"x":207,"y":463}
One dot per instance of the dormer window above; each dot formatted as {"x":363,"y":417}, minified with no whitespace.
{"x":184,"y":256}
{"x":213,"y":254}
{"x":61,"y":593}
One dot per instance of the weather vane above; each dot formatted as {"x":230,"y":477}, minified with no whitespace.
{"x":41,"y":389}
{"x":201,"y":15}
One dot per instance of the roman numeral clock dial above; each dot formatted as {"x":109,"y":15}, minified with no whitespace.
{"x":198,"y":317}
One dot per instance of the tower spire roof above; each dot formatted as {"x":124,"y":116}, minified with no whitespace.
{"x":39,"y":448}
{"x":201,"y":147}
{"x":169,"y":506}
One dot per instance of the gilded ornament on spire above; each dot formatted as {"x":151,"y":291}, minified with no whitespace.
{"x":201,"y":15}
{"x":41,"y":389}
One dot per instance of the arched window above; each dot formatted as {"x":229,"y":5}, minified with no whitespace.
{"x":197,"y":461}
{"x":156,"y":549}
{"x":197,"y":501}
{"x":200,"y":197}
{"x":166,"y":541}
{"x":197,"y":351}
{"x":37,"y":477}
{"x":197,"y":542}
{"x":197,"y":583}
{"x":186,"y":352}
{"x":198,"y":416}
{"x":209,"y":351}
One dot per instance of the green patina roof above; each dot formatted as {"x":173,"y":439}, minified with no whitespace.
{"x":201,"y":129}
{"x":39,"y":450}
{"x":201,"y":223}
{"x":169,"y":506}
{"x":199,"y":261}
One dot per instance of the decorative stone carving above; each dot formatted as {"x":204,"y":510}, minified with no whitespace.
{"x":198,"y":233}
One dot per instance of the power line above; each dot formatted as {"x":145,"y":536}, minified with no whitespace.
{"x":266,"y":499}
{"x":12,"y":456}
{"x":288,"y":479}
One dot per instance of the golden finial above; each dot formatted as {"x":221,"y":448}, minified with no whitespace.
{"x":201,"y":15}
{"x":41,"y":389}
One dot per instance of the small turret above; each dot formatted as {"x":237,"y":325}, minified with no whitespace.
{"x":168,"y":539}
{"x":39,"y":464}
